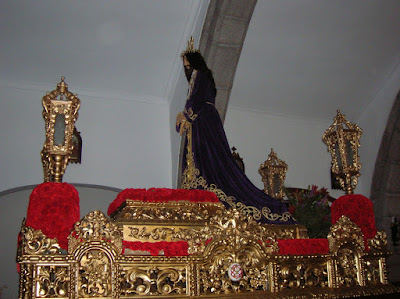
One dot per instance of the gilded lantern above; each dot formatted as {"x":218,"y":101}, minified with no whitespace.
{"x":273,"y":173}
{"x":343,"y":141}
{"x":60,"y":111}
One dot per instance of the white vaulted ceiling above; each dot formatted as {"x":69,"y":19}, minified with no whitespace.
{"x":307,"y":58}
{"x":304,"y":58}
{"x":124,"y":48}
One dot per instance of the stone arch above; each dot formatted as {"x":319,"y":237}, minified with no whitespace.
{"x":385,"y":188}
{"x":221,"y":43}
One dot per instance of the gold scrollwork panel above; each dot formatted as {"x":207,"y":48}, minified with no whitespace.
{"x":153,"y":280}
{"x":349,"y":268}
{"x":375,"y":271}
{"x":51,"y":281}
{"x":372,"y":272}
{"x":302,"y":275}
{"x":97,"y":275}
{"x":214,"y":277}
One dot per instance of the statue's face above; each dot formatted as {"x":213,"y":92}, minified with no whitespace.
{"x":188,"y":69}
{"x":186,"y":63}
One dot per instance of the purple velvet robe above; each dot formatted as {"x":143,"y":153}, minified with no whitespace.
{"x":215,"y":168}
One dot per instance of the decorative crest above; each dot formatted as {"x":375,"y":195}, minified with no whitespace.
{"x":95,"y":226}
{"x":190,"y":48}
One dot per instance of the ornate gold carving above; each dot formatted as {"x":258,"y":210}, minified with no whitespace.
{"x":372,"y":272}
{"x":348,"y":267}
{"x":167,"y":212}
{"x":25,"y":281}
{"x":216,"y":280}
{"x":230,"y":253}
{"x":232,"y":239}
{"x":95,"y":275}
{"x":295,"y":231}
{"x":35,"y":242}
{"x":299,"y":274}
{"x":52,"y":282}
{"x":153,"y":281}
{"x":148,"y":234}
{"x":343,"y":144}
{"x":273,"y":173}
{"x":232,"y":229}
{"x":345,"y":231}
{"x":346,"y":242}
{"x":379,"y":242}
{"x":95,"y":226}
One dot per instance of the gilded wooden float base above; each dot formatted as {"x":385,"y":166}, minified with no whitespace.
{"x":229,"y":256}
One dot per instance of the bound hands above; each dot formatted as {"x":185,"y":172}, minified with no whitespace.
{"x":181,"y":123}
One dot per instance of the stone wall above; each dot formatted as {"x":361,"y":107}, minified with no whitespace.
{"x":385,"y":188}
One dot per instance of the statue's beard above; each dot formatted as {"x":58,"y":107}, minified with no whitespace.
{"x":188,"y":73}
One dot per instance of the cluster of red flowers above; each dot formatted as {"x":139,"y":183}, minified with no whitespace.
{"x":355,"y":206}
{"x":54,"y":208}
{"x":179,"y":248}
{"x":161,"y":195}
{"x":359,"y":209}
{"x":303,"y":246}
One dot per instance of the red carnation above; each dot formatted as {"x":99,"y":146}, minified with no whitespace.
{"x":359,"y":209}
{"x":54,"y":208}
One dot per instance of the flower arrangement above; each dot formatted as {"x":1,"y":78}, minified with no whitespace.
{"x":311,"y":208}
{"x":360,"y":210}
{"x":161,"y":195}
{"x":54,"y":208}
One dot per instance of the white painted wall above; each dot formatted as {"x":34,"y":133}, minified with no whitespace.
{"x":125,"y":143}
{"x":299,"y":141}
{"x":296,"y":141}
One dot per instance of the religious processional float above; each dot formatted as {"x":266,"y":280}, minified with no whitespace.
{"x":156,"y":243}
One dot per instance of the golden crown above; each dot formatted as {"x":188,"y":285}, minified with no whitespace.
{"x":190,"y":48}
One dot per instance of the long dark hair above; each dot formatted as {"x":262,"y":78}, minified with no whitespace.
{"x":198,"y":63}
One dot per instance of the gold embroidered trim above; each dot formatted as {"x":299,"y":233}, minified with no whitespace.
{"x":190,"y":114}
{"x":192,"y":180}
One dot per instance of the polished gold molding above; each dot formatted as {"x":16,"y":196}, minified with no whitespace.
{"x":231,"y":256}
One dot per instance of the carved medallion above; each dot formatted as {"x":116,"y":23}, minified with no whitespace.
{"x":235,"y":272}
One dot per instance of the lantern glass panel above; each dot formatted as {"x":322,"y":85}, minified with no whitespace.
{"x":349,"y":151}
{"x":276,"y":185}
{"x":59,"y":130}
